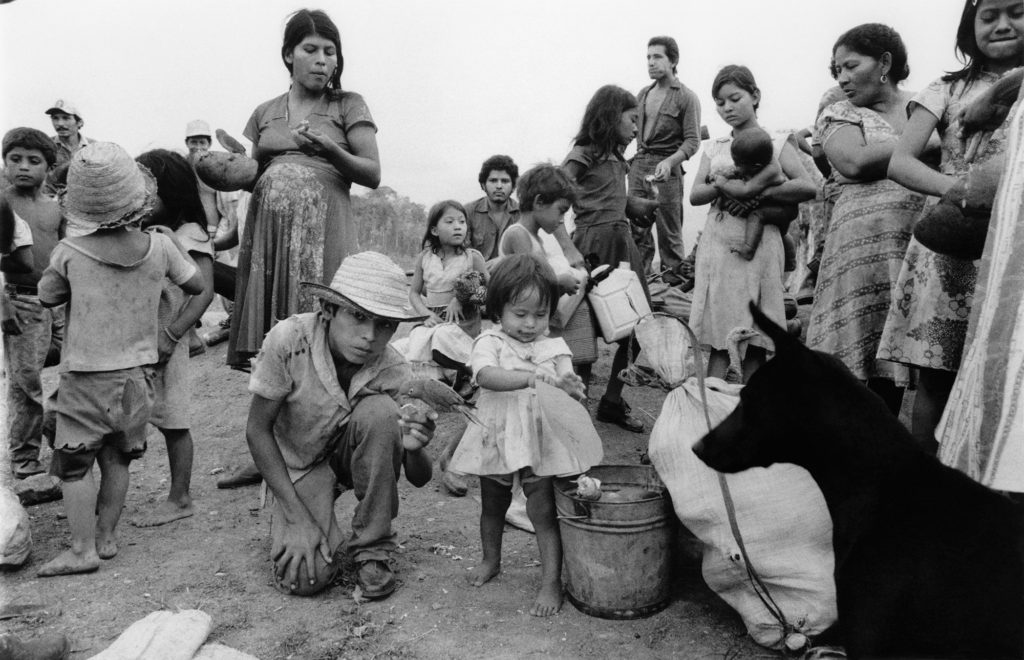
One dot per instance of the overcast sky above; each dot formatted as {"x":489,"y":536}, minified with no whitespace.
{"x":449,"y":82}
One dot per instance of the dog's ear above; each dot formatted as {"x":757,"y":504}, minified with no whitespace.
{"x":783,"y":340}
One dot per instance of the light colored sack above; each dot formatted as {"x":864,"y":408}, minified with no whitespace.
{"x":779,"y":510}
{"x":161,"y":635}
{"x":15,"y":532}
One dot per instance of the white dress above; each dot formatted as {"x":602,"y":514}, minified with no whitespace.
{"x":540,"y":428}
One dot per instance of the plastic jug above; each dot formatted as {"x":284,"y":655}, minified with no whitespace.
{"x":618,"y":301}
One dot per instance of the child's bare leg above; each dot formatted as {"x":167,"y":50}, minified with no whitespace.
{"x":540,"y":506}
{"x":80,"y":506}
{"x":585,"y":371}
{"x":494,"y":498}
{"x":179,"y":502}
{"x":752,"y":238}
{"x":113,"y":489}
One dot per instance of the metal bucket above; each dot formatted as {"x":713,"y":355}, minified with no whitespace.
{"x":617,"y":549}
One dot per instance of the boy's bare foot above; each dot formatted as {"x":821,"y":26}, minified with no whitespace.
{"x":106,"y":546}
{"x":745,"y":251}
{"x":164,"y":513}
{"x":483,"y":573}
{"x":70,"y":563}
{"x":549,"y":600}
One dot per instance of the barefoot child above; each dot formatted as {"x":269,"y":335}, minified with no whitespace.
{"x":178,"y":214}
{"x":756,"y":170}
{"x":533,"y":428}
{"x":32,"y":334}
{"x":113,"y":273}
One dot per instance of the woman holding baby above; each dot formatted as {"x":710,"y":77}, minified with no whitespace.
{"x":312,"y":144}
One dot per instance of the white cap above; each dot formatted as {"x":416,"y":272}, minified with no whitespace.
{"x":198,"y":128}
{"x":65,"y":106}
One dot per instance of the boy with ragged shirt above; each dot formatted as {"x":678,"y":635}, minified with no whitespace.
{"x":112,"y":274}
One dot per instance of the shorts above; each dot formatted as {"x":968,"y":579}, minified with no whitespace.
{"x":520,"y":477}
{"x":96,"y":409}
{"x":172,"y":392}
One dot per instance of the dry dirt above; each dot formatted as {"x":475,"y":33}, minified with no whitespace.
{"x":217,"y":561}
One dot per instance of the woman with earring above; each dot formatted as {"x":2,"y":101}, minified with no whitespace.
{"x":312,"y":144}
{"x":873,"y":216}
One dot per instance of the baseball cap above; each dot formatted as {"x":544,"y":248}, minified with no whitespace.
{"x":197,"y":128}
{"x":65,"y":106}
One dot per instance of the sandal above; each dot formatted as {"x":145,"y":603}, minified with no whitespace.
{"x":618,"y":413}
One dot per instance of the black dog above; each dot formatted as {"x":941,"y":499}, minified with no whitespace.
{"x":928,"y":563}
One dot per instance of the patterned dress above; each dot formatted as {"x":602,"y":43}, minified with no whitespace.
{"x":299,"y":225}
{"x":865,"y":242}
{"x":982,"y":429}
{"x":725,"y":282}
{"x":931,"y":304}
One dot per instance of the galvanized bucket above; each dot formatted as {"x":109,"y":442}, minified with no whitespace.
{"x":617,"y":556}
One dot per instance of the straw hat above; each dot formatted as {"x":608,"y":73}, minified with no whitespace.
{"x":372,"y":282}
{"x":106,"y":188}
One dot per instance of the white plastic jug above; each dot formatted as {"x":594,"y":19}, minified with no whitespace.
{"x":618,"y":301}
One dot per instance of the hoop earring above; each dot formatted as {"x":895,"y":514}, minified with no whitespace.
{"x":884,"y":79}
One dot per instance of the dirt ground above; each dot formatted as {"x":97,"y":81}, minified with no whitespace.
{"x":217,"y":561}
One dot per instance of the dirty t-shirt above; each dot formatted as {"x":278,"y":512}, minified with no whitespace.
{"x":112,"y":308}
{"x":295,"y":367}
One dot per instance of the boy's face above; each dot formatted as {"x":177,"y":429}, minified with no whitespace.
{"x":549,"y":216}
{"x":25,"y":168}
{"x":498,"y":187}
{"x":66,"y":125}
{"x":358,"y":337}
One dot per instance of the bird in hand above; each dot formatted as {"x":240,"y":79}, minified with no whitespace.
{"x":437,"y":396}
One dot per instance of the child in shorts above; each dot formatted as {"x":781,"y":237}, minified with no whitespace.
{"x":756,"y":169}
{"x":114,"y":273}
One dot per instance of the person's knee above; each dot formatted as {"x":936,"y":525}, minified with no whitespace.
{"x":72,"y":463}
{"x":378,"y":411}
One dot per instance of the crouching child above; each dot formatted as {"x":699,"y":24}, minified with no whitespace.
{"x":324,"y":414}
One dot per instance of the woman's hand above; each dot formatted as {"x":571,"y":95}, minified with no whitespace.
{"x":313,"y":140}
{"x":298,"y":543}
{"x":433,"y":320}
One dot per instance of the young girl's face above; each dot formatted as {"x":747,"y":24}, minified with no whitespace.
{"x":999,"y":30}
{"x":549,"y":216}
{"x":526,"y":318}
{"x":451,"y":228}
{"x":735,"y":105}
{"x":627,"y":126}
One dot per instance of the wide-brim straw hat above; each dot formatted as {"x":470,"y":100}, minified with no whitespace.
{"x":372,"y":282}
{"x":106,"y":188}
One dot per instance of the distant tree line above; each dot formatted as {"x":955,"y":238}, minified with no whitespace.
{"x":390,"y":223}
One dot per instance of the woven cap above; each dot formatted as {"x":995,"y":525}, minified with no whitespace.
{"x":106,"y":188}
{"x":372,"y":282}
{"x":197,"y":128}
{"x":65,"y":106}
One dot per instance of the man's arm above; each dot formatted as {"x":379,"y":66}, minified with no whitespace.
{"x":689,"y":121}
